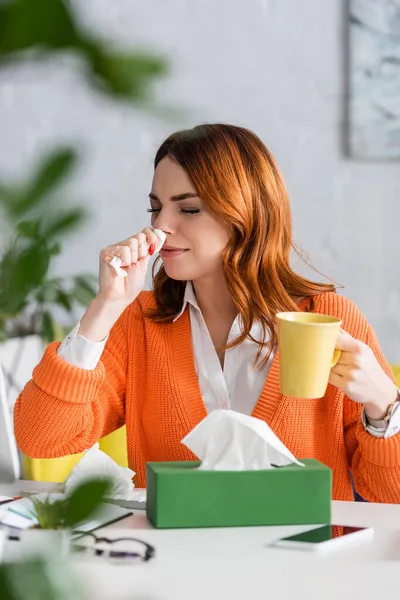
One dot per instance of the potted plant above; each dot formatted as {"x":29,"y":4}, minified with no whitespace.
{"x":32,"y":214}
{"x":31,"y":300}
{"x":40,"y":578}
{"x":57,"y":516}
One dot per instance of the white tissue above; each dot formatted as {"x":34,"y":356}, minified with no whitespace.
{"x":96,"y":463}
{"x":161,"y":236}
{"x":230,"y":441}
{"x":116,"y":263}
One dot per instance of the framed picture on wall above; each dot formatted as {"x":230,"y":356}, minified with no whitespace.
{"x":374,"y":79}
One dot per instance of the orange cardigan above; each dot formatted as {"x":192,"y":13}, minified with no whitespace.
{"x":146,"y":378}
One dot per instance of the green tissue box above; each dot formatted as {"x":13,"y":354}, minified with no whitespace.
{"x":179,"y":495}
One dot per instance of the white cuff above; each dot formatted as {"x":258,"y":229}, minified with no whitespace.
{"x":80,"y":352}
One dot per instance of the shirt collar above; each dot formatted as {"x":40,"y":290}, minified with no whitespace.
{"x":188,"y":298}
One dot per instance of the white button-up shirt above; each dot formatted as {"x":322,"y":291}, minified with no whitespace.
{"x":239,"y":383}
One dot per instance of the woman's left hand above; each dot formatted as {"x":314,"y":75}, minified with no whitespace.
{"x":359,"y":375}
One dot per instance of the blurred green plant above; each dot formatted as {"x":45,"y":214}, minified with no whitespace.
{"x":48,"y":26}
{"x":42,"y":578}
{"x":35,"y":215}
{"x":72,"y":510}
{"x":39,"y":579}
{"x":35,"y":219}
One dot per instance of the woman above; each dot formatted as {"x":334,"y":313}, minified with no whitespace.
{"x":205,"y":338}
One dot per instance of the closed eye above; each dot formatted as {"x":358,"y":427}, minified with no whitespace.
{"x":188,"y":211}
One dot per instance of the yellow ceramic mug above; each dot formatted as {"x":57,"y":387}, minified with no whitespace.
{"x":307,"y":352}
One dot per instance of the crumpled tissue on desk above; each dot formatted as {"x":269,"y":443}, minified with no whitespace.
{"x":96,"y":463}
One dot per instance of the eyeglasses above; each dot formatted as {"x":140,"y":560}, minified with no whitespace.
{"x":119,"y":549}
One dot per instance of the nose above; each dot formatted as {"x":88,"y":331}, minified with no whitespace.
{"x":163,"y":222}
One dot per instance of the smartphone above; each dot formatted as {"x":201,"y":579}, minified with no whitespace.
{"x":325,"y":537}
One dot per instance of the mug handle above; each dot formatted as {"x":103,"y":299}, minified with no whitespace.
{"x":336,"y":356}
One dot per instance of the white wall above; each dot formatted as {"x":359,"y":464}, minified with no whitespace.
{"x":275,"y":66}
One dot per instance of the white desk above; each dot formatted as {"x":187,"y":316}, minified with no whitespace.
{"x":236,"y":563}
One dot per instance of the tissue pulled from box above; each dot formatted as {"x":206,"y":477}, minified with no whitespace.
{"x":226,"y":440}
{"x":116,"y":262}
{"x":161,"y":236}
{"x":96,"y":463}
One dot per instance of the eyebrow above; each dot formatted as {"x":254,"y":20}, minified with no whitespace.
{"x":177,"y":197}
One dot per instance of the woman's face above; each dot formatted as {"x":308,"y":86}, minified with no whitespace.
{"x":195,"y":237}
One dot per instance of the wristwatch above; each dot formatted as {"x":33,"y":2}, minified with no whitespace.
{"x":389,"y":425}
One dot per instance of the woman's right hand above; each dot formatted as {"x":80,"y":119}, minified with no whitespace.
{"x":134,"y":254}
{"x":116,"y":292}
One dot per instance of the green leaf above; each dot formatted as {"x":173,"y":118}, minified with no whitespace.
{"x":48,"y":291}
{"x":55,"y":249}
{"x":10,"y":199}
{"x":89,"y":282}
{"x":28,"y":229}
{"x":38,"y":578}
{"x":85,"y":500}
{"x":47,"y":327}
{"x":22,"y":270}
{"x":84,"y":291}
{"x":49,"y":174}
{"x":65,"y":224}
{"x":50,"y":514}
{"x":7,"y":194}
{"x":74,"y":509}
{"x":59,"y":331}
{"x":51,"y":330}
{"x":53,"y":170}
{"x":122,"y":74}
{"x":50,"y":25}
{"x":64,"y":300}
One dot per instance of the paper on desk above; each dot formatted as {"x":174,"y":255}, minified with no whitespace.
{"x":116,"y":261}
{"x":230,"y":441}
{"x":96,"y":463}
{"x":20,"y":513}
{"x":15,"y":519}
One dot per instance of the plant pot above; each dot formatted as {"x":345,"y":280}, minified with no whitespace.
{"x":3,"y":541}
{"x":50,"y":543}
{"x":18,"y":357}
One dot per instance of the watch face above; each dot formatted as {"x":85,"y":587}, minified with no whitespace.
{"x":391,"y":410}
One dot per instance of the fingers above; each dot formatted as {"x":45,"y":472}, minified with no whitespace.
{"x":155,"y":238}
{"x":346,"y":343}
{"x":120,"y":251}
{"x":336,"y":380}
{"x":142,"y":245}
{"x":346,"y":358}
{"x":342,"y":370}
{"x":138,"y":247}
{"x":344,"y":376}
{"x":125,"y":254}
{"x":162,"y":236}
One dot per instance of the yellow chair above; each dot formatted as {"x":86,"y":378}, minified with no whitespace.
{"x":396,"y":373}
{"x":58,"y":469}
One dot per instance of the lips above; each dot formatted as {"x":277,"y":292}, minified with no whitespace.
{"x":172,"y":248}
{"x":171,"y":251}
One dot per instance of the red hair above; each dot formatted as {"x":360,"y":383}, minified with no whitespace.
{"x":236,"y":176}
